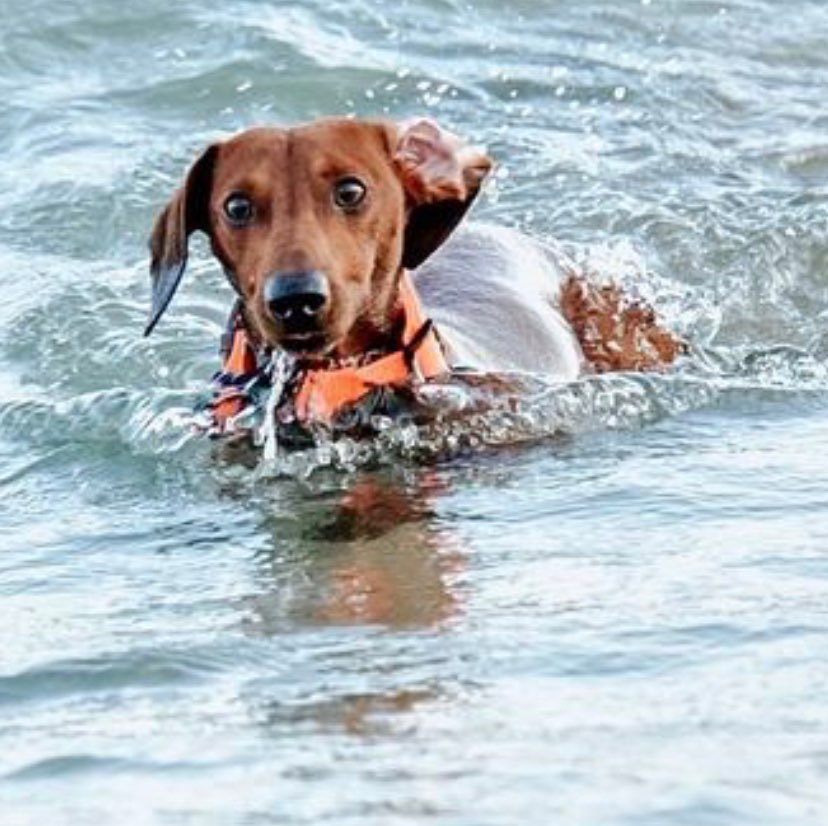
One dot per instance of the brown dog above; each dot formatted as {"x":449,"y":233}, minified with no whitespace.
{"x":315,"y":225}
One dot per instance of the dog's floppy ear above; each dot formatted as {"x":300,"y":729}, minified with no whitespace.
{"x":187,"y":211}
{"x":441,"y":176}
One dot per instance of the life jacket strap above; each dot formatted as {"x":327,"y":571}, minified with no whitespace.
{"x":239,"y":367}
{"x":322,"y":394}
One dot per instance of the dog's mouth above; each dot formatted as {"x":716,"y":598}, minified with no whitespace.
{"x":306,"y":344}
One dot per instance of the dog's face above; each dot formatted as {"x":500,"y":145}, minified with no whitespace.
{"x":314,"y":224}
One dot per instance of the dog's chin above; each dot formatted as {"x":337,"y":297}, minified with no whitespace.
{"x":307,"y":345}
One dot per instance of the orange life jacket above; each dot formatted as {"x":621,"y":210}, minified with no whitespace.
{"x":322,"y":394}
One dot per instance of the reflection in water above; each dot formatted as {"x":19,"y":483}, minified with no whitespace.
{"x":368,"y":553}
{"x":392,"y":567}
{"x":367,"y":714}
{"x":371,"y":554}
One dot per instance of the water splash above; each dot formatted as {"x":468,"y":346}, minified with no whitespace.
{"x":282,"y":367}
{"x":456,"y":418}
{"x":692,"y":312}
{"x":467,"y":414}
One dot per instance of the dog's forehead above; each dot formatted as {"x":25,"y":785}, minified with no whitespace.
{"x":331,"y":148}
{"x":320,"y":146}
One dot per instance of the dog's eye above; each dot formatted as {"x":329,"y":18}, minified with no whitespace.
{"x":349,"y":193}
{"x":238,"y":209}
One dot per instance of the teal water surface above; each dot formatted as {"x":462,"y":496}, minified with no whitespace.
{"x":620,"y":620}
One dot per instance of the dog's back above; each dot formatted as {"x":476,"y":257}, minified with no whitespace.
{"x":503,"y":301}
{"x":494,"y":294}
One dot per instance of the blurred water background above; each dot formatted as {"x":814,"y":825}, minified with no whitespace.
{"x":620,"y":621}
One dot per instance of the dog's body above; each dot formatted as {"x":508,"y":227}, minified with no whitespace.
{"x":494,"y":294}
{"x":316,"y":225}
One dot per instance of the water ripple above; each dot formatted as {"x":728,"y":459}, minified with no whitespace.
{"x":619,"y":622}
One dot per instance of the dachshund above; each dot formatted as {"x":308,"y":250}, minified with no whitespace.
{"x":339,"y":239}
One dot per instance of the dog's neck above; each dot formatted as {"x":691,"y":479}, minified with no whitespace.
{"x":378,"y":331}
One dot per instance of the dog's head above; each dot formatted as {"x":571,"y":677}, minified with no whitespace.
{"x":313,"y":225}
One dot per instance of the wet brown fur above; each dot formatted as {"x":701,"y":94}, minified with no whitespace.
{"x":614,"y":333}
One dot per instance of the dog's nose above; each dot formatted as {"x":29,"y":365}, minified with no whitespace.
{"x":296,"y":299}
